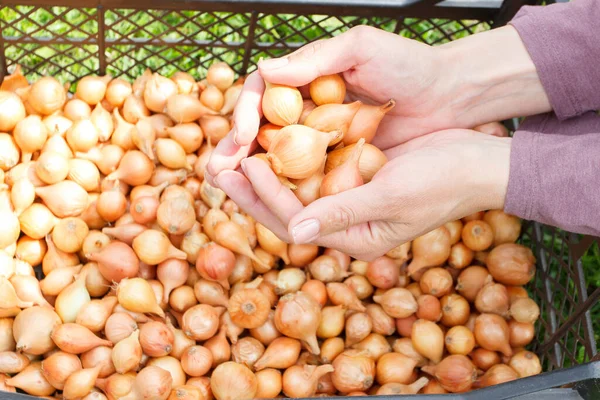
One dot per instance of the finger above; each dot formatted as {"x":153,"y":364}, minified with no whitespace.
{"x":339,"y":212}
{"x":248,"y":110}
{"x":322,"y":57}
{"x":227,"y":155}
{"x":279,"y":199}
{"x":240,"y":190}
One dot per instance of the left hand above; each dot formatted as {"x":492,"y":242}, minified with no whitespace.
{"x":427,"y":182}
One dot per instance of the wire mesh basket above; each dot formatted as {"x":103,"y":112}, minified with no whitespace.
{"x":69,"y":39}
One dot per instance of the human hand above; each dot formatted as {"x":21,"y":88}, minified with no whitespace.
{"x":482,"y":78}
{"x":411,"y":74}
{"x":428,"y":181}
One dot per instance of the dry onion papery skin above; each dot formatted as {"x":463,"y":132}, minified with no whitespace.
{"x":354,"y":371}
{"x":233,"y":381}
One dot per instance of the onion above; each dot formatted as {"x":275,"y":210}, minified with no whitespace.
{"x":9,"y":152}
{"x":521,"y":333}
{"x":525,"y":310}
{"x":382,"y":322}
{"x":401,"y":389}
{"x":232,"y":381}
{"x":511,"y":264}
{"x":127,"y":354}
{"x":233,"y":237}
{"x":374,"y":345}
{"x":436,"y":281}
{"x":327,"y":269}
{"x":136,"y":294}
{"x":484,"y":359}
{"x":404,"y":325}
{"x":154,"y":247}
{"x":456,"y":373}
{"x":358,"y":327}
{"x":429,"y":308}
{"x":455,"y":310}
{"x":32,"y":381}
{"x":64,"y":199}
{"x":215,"y":263}
{"x":269,"y":383}
{"x":353,"y":371}
{"x":58,"y":367}
{"x":341,"y":294}
{"x":32,"y":329}
{"x":116,"y":261}
{"x":332,"y":322}
{"x":383,"y":272}
{"x":101,"y":356}
{"x":330,"y":349}
{"x":247,"y":351}
{"x":117,"y":91}
{"x":220,"y":75}
{"x":506,"y":227}
{"x":459,"y":340}
{"x":525,"y":363}
{"x":430,"y":250}
{"x":428,"y":339}
{"x":302,"y":381}
{"x":496,"y":375}
{"x":471,"y":280}
{"x":397,"y":302}
{"x":156,"y":339}
{"x":152,"y":382}
{"x":93,"y":315}
{"x":281,"y":353}
{"x":267,"y":333}
{"x":405,"y":347}
{"x":172,"y":273}
{"x":80,"y":383}
{"x":12,"y":363}
{"x":13,"y":110}
{"x":249,"y":308}
{"x":30,"y":134}
{"x":491,"y":332}
{"x":297,"y":315}
{"x":219,"y":347}
{"x":76,"y":339}
{"x":360,"y":286}
{"x":396,"y":368}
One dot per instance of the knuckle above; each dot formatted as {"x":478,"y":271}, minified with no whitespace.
{"x":342,"y":217}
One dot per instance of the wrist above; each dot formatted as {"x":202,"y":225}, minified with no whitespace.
{"x":491,"y":78}
{"x":491,"y":169}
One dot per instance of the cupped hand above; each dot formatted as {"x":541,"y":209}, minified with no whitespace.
{"x":376,"y":65}
{"x":428,"y":181}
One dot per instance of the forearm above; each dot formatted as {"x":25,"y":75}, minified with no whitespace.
{"x":492,"y":78}
{"x":554,"y":173}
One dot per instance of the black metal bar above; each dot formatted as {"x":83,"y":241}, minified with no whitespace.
{"x":588,"y":329}
{"x":538,"y":237}
{"x":508,"y":10}
{"x":249,"y":42}
{"x":101,"y":41}
{"x":593,"y":299}
{"x":3,"y":66}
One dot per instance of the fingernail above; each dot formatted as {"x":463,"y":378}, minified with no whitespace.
{"x":235,"y":136}
{"x":306,"y":231}
{"x":243,"y":165}
{"x":273,"y":63}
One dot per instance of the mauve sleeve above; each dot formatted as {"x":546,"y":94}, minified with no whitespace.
{"x":555,"y":172}
{"x":563,"y":42}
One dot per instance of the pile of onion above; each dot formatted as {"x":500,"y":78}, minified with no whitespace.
{"x":155,"y":285}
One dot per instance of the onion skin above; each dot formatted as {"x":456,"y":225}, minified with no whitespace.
{"x":232,"y":381}
{"x":511,"y":264}
{"x":491,"y":332}
{"x":297,"y":315}
{"x":353,"y":372}
{"x":455,"y":373}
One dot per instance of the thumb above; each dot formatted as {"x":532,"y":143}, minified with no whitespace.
{"x":322,"y":57}
{"x":337,"y":213}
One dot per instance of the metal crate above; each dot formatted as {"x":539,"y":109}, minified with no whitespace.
{"x":122,"y":38}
